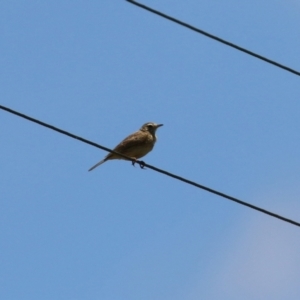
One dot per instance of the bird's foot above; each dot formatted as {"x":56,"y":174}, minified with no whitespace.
{"x":142,"y":164}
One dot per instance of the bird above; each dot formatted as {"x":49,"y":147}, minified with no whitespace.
{"x":135,"y":146}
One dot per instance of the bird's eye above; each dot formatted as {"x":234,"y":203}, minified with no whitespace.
{"x":150,"y":126}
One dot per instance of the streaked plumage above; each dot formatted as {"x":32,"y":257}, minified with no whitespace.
{"x":136,"y":145}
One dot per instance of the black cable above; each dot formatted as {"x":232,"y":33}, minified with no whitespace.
{"x":64,"y":132}
{"x":214,"y":37}
{"x":142,"y":165}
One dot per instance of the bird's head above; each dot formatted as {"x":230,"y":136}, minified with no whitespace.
{"x":150,"y":127}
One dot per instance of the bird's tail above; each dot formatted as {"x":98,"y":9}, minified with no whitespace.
{"x":98,"y":164}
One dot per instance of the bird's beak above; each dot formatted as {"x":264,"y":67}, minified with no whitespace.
{"x":159,"y":125}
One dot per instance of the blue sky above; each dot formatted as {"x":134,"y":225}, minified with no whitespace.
{"x":100,"y":69}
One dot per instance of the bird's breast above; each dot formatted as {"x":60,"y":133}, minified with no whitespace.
{"x":145,"y":147}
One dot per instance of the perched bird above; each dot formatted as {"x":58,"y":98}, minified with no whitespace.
{"x":135,"y":145}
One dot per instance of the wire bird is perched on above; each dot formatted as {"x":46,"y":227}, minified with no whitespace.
{"x":135,"y":145}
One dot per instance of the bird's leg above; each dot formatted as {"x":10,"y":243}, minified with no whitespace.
{"x":134,"y":160}
{"x":142,"y":164}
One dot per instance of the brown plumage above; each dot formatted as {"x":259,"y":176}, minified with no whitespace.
{"x":136,"y":145}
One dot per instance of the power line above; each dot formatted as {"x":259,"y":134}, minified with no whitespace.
{"x":65,"y":132}
{"x":214,"y":37}
{"x":143,"y":164}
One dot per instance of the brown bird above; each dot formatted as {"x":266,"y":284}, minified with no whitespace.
{"x":135,"y":145}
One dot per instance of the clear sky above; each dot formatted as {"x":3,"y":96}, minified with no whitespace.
{"x":100,"y":69}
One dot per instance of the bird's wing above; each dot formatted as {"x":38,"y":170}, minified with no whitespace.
{"x":135,"y":145}
{"x":130,"y":143}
